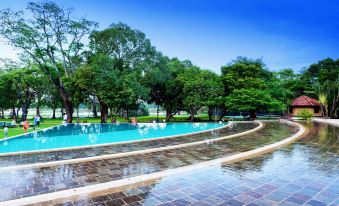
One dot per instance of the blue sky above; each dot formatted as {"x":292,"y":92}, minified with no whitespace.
{"x":210,"y":33}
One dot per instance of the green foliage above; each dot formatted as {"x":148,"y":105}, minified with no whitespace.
{"x":122,"y":70}
{"x":305,"y":114}
{"x":323,"y":78}
{"x":52,"y":38}
{"x":252,"y":99}
{"x":249,"y":87}
{"x":200,"y":88}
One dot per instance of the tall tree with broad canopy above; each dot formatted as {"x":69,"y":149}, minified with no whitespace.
{"x":245,"y":83}
{"x":52,"y":37}
{"x":115,"y":69}
{"x":165,"y":87}
{"x":251,"y":100}
{"x":200,"y":87}
{"x":8,"y":95}
{"x":25,"y":84}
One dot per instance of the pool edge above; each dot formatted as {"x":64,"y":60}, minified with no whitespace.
{"x":104,"y":187}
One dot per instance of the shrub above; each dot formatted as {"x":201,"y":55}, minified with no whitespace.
{"x":305,"y":114}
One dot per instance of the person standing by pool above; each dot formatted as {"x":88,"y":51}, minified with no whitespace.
{"x":6,"y":132}
{"x":13,"y":123}
{"x":26,"y":126}
{"x":65,"y":118}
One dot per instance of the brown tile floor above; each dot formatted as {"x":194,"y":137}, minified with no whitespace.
{"x":30,"y":182}
{"x":95,"y":151}
{"x":304,"y":173}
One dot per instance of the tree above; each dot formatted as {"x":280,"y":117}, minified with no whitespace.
{"x":119,"y":58}
{"x":244,"y":73}
{"x":8,"y":95}
{"x":52,"y":99}
{"x":52,"y":38}
{"x":22,"y":86}
{"x":100,"y":79}
{"x":246,"y":84}
{"x":252,"y":100}
{"x":200,"y":88}
{"x":326,"y":74}
{"x":173,"y":95}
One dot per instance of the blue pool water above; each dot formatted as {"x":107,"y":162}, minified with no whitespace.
{"x":73,"y":135}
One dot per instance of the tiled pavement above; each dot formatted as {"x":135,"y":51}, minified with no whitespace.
{"x":95,"y":151}
{"x":30,"y":182}
{"x":304,"y":173}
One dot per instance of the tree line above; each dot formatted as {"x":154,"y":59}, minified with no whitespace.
{"x":66,"y":61}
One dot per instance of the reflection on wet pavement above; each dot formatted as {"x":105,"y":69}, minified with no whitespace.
{"x":304,"y":173}
{"x":105,"y":150}
{"x":29,"y":182}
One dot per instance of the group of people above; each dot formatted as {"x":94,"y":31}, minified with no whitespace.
{"x":36,"y":123}
{"x":25,"y":125}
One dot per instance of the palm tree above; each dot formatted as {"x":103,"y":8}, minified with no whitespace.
{"x":322,"y":91}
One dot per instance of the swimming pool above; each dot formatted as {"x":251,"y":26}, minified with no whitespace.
{"x":82,"y":135}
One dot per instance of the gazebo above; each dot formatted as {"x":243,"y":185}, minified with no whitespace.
{"x":305,"y":102}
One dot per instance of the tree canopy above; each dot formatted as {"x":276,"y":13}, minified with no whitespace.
{"x":68,"y":63}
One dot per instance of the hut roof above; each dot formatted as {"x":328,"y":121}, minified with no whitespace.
{"x":304,"y":101}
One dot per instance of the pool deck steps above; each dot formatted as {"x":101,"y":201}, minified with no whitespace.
{"x":57,"y":197}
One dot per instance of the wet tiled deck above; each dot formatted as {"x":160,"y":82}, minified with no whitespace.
{"x":304,"y":173}
{"x":105,"y":150}
{"x":29,"y":182}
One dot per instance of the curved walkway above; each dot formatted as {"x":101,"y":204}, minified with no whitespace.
{"x":303,"y":173}
{"x":50,"y":179}
{"x":235,"y":129}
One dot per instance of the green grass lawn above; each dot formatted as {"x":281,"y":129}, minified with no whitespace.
{"x":53,"y":122}
{"x":19,"y":130}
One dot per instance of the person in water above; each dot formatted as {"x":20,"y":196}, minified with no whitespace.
{"x":134,"y":120}
{"x":26,"y":126}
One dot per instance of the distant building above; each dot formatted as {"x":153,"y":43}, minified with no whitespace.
{"x":305,"y":102}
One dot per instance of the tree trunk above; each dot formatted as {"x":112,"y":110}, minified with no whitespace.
{"x":2,"y":113}
{"x":323,"y":110}
{"x":67,"y":103}
{"x":223,"y":113}
{"x":334,"y":105}
{"x":210,"y":114}
{"x":38,"y":108}
{"x":169,"y":115}
{"x":77,"y":112}
{"x":136,"y":110}
{"x":192,"y":112}
{"x":69,"y":110}
{"x":25,"y":106}
{"x":103,"y":111}
{"x":158,"y":113}
{"x":253,"y":114}
{"x":14,"y":116}
{"x":17,"y":112}
{"x":94,"y":110}
{"x":53,"y":116}
{"x":192,"y":118}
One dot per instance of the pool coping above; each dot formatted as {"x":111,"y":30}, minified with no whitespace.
{"x":58,"y":197}
{"x":132,"y":153}
{"x":106,"y":144}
